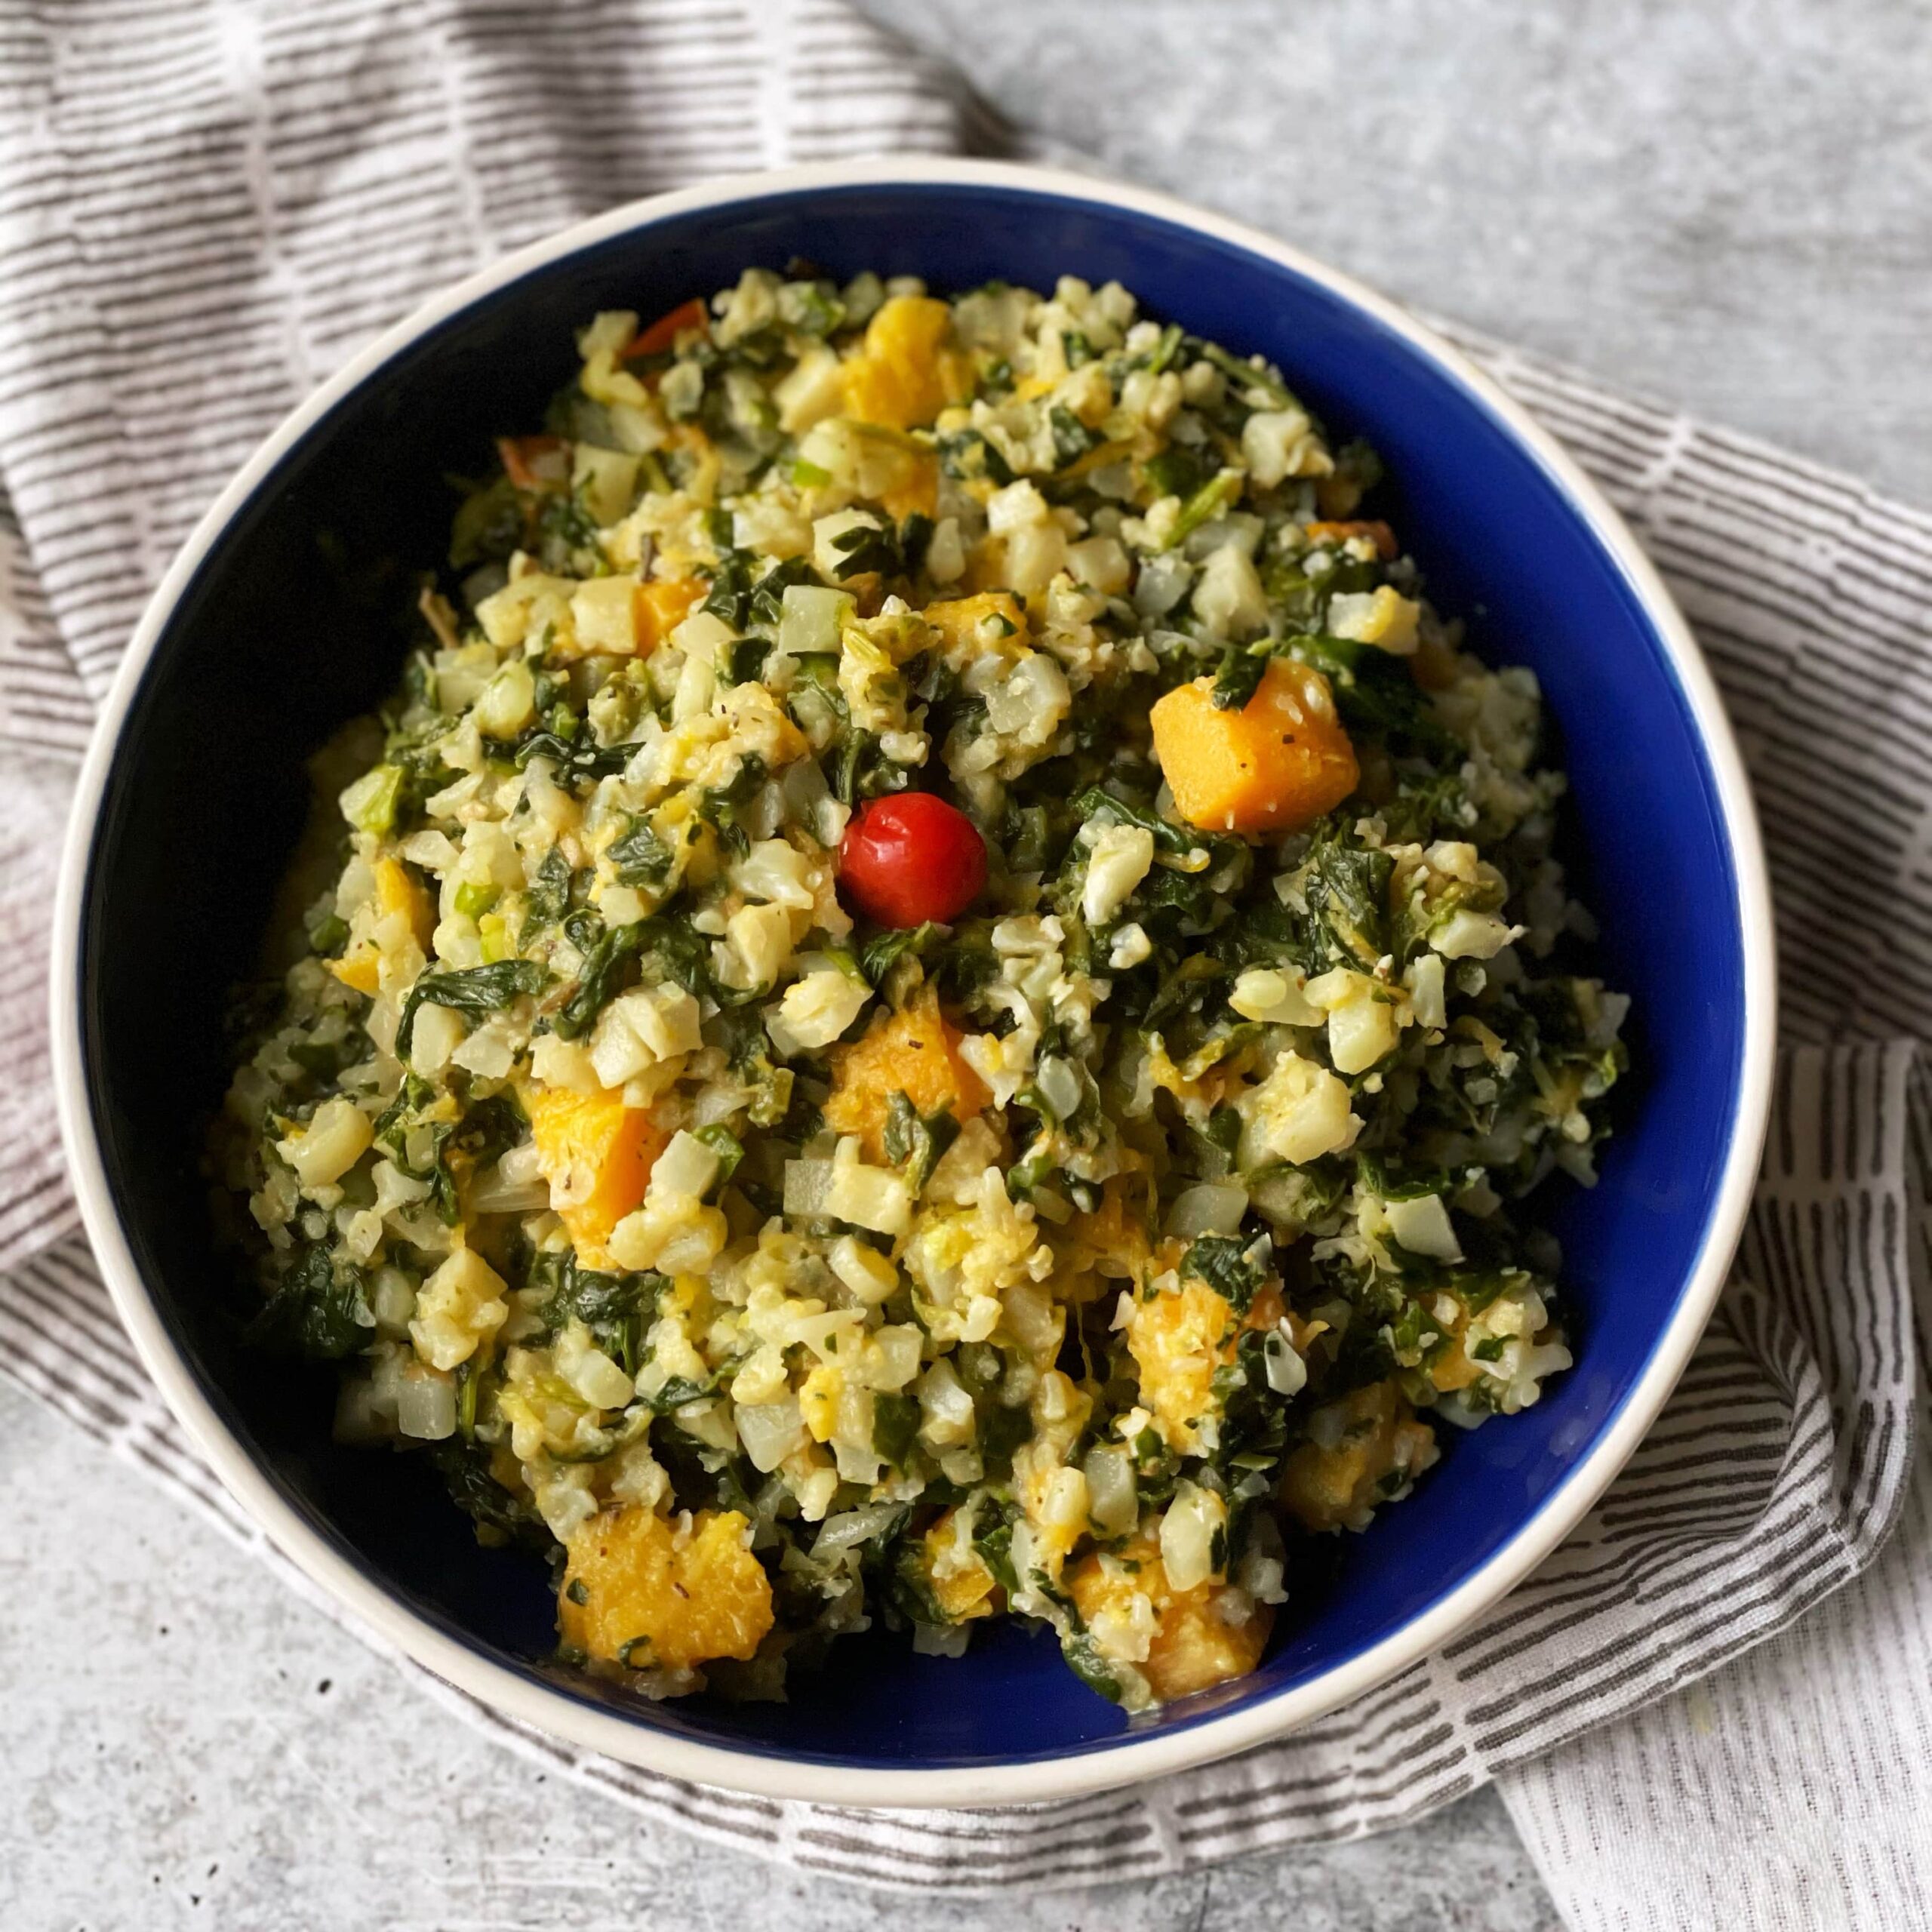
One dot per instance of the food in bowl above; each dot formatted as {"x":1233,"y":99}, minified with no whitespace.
{"x":930,"y":1003}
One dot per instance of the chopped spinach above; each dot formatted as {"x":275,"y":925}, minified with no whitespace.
{"x":318,"y":1307}
{"x":1223,"y":1262}
{"x":641,"y":857}
{"x":605,"y":955}
{"x":914,"y":1142}
{"x":549,"y":898}
{"x":1238,"y":678}
{"x":471,"y":989}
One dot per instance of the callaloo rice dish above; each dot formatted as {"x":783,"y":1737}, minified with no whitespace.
{"x":932,"y":1002}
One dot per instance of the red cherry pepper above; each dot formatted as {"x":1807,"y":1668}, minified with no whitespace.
{"x":910,"y":858}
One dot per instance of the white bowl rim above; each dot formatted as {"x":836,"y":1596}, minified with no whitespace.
{"x":1131,"y":1760}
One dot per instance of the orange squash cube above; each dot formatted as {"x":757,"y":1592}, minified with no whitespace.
{"x":597,"y":1154}
{"x":914,"y":1052}
{"x":1453,"y":1369}
{"x":963,"y":1590}
{"x":1194,"y":1647}
{"x":904,"y":375}
{"x":958,"y":618}
{"x":360,"y":971}
{"x":1274,"y":766}
{"x":1330,"y":1489}
{"x":396,"y":892}
{"x":1179,"y":1340}
{"x":661,"y":605}
{"x":914,"y":489}
{"x":643,"y":1589}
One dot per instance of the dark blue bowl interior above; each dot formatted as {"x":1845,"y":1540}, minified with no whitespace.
{"x":287,"y":628}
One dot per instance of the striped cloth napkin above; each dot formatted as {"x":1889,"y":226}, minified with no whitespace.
{"x":205,"y":207}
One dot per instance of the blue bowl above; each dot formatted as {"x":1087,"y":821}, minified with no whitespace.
{"x":269,"y":631}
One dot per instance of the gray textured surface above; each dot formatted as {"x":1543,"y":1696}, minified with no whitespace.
{"x":1725,"y":205}
{"x":188,"y":1744}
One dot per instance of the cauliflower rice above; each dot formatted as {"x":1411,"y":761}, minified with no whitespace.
{"x":1077,"y":1256}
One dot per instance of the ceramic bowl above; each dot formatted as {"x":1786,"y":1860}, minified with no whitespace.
{"x":259,"y":642}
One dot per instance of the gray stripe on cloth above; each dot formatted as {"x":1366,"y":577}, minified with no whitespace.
{"x":278,"y":183}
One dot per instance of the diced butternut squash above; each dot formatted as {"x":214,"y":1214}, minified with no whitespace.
{"x":397,"y":895}
{"x":1194,"y":1647}
{"x":915,"y":487}
{"x":914,"y":1052}
{"x":361,"y":970}
{"x":960,"y":1583}
{"x":1274,"y":766}
{"x":1265,"y":1309}
{"x":597,"y":1154}
{"x":959,"y":620}
{"x":1179,"y":1340}
{"x":1453,"y":1369}
{"x":1193,"y":1644}
{"x":1112,"y":1241}
{"x":663,"y":605}
{"x":396,"y":891}
{"x":641,"y":1589}
{"x":818,"y":1401}
{"x":904,"y":375}
{"x":1381,"y":1447}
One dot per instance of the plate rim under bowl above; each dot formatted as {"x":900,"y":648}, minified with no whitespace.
{"x":1132,"y":1758}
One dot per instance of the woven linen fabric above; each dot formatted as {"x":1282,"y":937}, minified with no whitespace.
{"x":272,"y":184}
{"x":1797,"y":1780}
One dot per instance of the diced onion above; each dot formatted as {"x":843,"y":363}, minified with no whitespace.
{"x":1187,"y":1535}
{"x":1215,"y":1208}
{"x":687,"y":1165}
{"x":948,"y":1409}
{"x":502,"y":1189}
{"x":425,"y":1407}
{"x":810,"y":618}
{"x":332,"y":1142}
{"x":771,"y":1431}
{"x":854,"y":1526}
{"x":1162,"y":583}
{"x":898,"y":1349}
{"x":1059,"y":1085}
{"x":1282,"y":1363}
{"x":807,"y":1184}
{"x":1422,"y":1226}
{"x":1111,"y":1498}
{"x":941,"y":1640}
